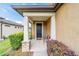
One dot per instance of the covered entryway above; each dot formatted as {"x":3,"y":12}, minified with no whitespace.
{"x":40,"y":26}
{"x":38,"y":13}
{"x":43,"y":25}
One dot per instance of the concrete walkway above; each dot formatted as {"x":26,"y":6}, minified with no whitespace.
{"x":39,"y":48}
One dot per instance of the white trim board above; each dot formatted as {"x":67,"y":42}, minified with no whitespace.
{"x":38,"y":13}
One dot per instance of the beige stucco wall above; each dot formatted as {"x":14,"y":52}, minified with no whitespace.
{"x":44,"y":29}
{"x":67,"y":25}
{"x":48,"y":26}
{"x":33,"y":30}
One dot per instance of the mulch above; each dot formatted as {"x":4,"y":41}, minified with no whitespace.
{"x":20,"y":53}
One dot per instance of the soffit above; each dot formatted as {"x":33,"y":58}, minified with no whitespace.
{"x":39,"y":18}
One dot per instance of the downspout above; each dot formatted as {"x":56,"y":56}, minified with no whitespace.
{"x":1,"y":30}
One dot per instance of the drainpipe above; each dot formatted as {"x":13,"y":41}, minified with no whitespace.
{"x":1,"y":31}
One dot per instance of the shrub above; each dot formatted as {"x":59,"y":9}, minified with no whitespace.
{"x":59,"y":49}
{"x":16,"y":39}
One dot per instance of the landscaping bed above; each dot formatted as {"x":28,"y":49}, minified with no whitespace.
{"x":20,"y":53}
{"x":6,"y":50}
{"x":56,"y":48}
{"x":12,"y":46}
{"x":16,"y":41}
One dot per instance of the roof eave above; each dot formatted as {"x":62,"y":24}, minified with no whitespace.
{"x":51,"y":8}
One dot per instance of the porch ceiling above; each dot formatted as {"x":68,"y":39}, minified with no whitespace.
{"x":39,"y":18}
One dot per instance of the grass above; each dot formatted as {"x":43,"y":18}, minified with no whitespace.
{"x":4,"y":46}
{"x":5,"y":50}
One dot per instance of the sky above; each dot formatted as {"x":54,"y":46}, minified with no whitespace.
{"x":7,"y":12}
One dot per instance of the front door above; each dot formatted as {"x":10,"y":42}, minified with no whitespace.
{"x":39,"y":30}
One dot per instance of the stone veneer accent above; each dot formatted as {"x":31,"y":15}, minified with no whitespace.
{"x":26,"y":46}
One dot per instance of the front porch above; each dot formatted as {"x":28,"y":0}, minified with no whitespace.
{"x":38,"y":47}
{"x":43,"y":25}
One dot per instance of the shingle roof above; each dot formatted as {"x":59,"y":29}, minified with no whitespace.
{"x":3,"y":20}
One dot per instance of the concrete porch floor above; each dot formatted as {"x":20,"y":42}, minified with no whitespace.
{"x":38,"y":47}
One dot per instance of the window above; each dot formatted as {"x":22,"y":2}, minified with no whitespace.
{"x":18,"y":27}
{"x":7,"y":25}
{"x":15,"y":26}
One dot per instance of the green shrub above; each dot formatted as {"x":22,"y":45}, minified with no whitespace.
{"x":16,"y":39}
